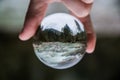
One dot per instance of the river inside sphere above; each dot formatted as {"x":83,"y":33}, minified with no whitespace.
{"x":60,"y":41}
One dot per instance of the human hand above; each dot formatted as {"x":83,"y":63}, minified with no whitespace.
{"x":78,"y":8}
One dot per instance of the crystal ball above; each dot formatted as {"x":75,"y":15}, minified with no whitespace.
{"x":60,"y":41}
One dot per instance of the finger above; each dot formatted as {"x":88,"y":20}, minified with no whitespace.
{"x":78,"y":7}
{"x":91,"y":42}
{"x":91,"y":37}
{"x":35,"y":14}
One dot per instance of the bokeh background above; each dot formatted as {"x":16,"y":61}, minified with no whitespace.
{"x":17,"y":58}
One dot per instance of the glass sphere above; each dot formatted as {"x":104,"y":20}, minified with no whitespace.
{"x":60,"y":41}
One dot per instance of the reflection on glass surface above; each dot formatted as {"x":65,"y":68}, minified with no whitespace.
{"x":60,"y":41}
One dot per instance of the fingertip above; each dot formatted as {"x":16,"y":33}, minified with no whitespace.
{"x":91,"y":44}
{"x":90,"y":50}
{"x":22,"y":37}
{"x":88,"y":1}
{"x":26,"y":34}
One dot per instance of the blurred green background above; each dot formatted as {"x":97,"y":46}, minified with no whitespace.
{"x":17,"y":58}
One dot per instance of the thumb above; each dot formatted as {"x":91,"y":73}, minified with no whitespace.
{"x":34,"y":15}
